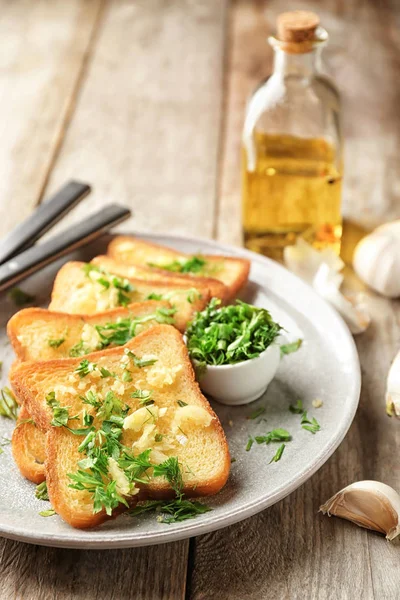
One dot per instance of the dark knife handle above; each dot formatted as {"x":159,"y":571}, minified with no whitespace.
{"x":42,"y":219}
{"x":76,"y":236}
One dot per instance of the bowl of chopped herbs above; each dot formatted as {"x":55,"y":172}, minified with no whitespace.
{"x":235,"y":350}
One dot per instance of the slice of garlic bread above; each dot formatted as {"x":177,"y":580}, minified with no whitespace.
{"x":28,"y":447}
{"x":84,"y":288}
{"x":231,"y":271}
{"x":40,"y":334}
{"x":134,"y":414}
{"x":217,"y":288}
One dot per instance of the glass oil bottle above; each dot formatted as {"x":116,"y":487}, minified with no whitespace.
{"x":291,"y":146}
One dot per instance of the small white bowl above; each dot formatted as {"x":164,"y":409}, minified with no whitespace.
{"x":242,"y":382}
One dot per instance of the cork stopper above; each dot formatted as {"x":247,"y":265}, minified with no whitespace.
{"x":297,"y":30}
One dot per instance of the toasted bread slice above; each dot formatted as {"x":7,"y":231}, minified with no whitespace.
{"x":40,"y":334}
{"x":189,"y":431}
{"x":80,"y":288}
{"x":28,"y":447}
{"x":217,"y":288}
{"x":232,"y":271}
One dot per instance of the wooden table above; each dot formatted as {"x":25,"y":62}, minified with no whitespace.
{"x":145,"y":99}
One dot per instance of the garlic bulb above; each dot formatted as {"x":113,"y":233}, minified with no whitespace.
{"x":377,"y":260}
{"x":369,"y":504}
{"x":393,"y":388}
{"x":322,"y":271}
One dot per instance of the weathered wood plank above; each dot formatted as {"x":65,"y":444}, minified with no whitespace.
{"x":290,"y":551}
{"x":38,"y":573}
{"x":147,"y":124}
{"x":44,"y":46}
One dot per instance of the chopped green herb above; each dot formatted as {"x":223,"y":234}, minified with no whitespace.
{"x":278,"y":454}
{"x":158,"y":437}
{"x":173,"y":511}
{"x":297,"y":408}
{"x":56,"y":343}
{"x":8,"y":404}
{"x":85,"y":367}
{"x":313,"y":426}
{"x":107,"y":279}
{"x":181,"y":403}
{"x":256,"y":413}
{"x":41,"y":492}
{"x":154,"y":296}
{"x":140,"y":362}
{"x":233,"y":460}
{"x":222,"y":335}
{"x":60,"y":413}
{"x":47,"y":513}
{"x":292,"y":347}
{"x":195,"y":264}
{"x":249,"y":444}
{"x":19,"y":297}
{"x":79,"y":349}
{"x":276,"y":435}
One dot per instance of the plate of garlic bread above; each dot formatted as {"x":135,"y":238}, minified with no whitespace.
{"x":114,"y":443}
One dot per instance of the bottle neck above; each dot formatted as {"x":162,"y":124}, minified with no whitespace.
{"x":297,"y":65}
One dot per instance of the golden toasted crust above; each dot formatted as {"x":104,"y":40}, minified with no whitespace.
{"x":232,"y":271}
{"x":205,"y":453}
{"x":28,"y":448}
{"x":75,"y":293}
{"x":30,"y":329}
{"x":217,"y":288}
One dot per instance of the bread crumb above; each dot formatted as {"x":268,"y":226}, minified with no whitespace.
{"x":317,"y":403}
{"x":230,"y":423}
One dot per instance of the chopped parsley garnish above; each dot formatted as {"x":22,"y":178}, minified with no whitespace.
{"x":257,"y":413}
{"x":276,"y":435}
{"x":181,"y":403}
{"x":107,"y":280}
{"x":158,"y":437}
{"x":313,"y":426}
{"x":144,"y":397}
{"x":222,"y":335}
{"x":8,"y":404}
{"x":79,"y":349}
{"x":194,"y":264}
{"x":85,"y":367}
{"x":173,"y":511}
{"x":140,"y":362}
{"x":41,"y":492}
{"x":154,"y":296}
{"x":60,"y":413}
{"x":56,"y":343}
{"x":19,"y":297}
{"x":249,"y":444}
{"x":47,"y":513}
{"x":292,"y":347}
{"x":297,"y":409}
{"x":278,"y":454}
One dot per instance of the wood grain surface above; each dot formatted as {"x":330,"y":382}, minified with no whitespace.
{"x":145,"y":100}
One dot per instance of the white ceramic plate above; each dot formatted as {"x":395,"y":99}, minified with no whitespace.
{"x":326,"y":367}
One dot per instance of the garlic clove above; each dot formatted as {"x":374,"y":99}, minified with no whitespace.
{"x":393,"y":388}
{"x":352,"y":308}
{"x":377,"y":260}
{"x":369,"y":504}
{"x":303,"y":260}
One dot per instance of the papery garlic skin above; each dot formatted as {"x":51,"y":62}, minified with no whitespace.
{"x":322,"y":271}
{"x":377,"y":260}
{"x":369,"y":504}
{"x":393,"y":388}
{"x":353,"y":308}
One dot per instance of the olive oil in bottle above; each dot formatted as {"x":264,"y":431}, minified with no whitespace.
{"x":291,"y":157}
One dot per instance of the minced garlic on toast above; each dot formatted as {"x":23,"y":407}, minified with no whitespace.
{"x":84,"y":288}
{"x":232,"y":271}
{"x":40,"y":334}
{"x":145,"y":393}
{"x":217,"y":288}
